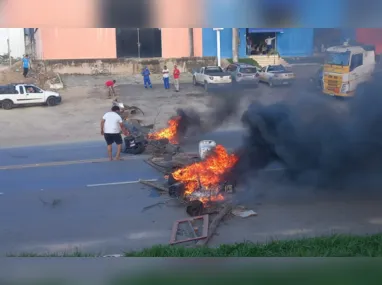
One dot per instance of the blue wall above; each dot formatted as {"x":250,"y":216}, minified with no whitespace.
{"x":295,"y":42}
{"x":209,"y":43}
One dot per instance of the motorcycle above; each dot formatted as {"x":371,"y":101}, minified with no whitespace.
{"x":125,"y":110}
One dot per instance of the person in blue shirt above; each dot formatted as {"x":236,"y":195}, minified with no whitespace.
{"x":26,"y":65}
{"x":146,"y":77}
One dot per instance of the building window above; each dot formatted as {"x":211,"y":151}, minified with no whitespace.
{"x":139,"y":43}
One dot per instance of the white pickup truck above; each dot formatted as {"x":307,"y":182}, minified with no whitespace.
{"x":212,"y":76}
{"x":18,"y":94}
{"x":276,"y":75}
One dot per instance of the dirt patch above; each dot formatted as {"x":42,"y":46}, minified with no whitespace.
{"x":37,"y":75}
{"x":78,"y":117}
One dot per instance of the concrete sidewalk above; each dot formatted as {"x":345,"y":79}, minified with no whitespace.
{"x":93,"y":81}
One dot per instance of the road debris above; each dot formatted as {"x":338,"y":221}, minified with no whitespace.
{"x":215,"y":223}
{"x":189,"y":230}
{"x":53,"y":203}
{"x":243,"y":212}
{"x":113,"y":255}
{"x":156,"y":185}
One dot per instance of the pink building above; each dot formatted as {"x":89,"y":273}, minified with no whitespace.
{"x":111,"y":43}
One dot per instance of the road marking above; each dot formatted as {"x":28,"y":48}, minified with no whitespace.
{"x":120,"y":183}
{"x":62,"y":163}
{"x":73,"y":147}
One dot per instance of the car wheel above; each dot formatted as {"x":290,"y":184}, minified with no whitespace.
{"x":7,"y":104}
{"x":194,"y":81}
{"x":51,"y":101}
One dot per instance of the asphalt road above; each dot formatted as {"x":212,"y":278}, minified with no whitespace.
{"x":99,"y":206}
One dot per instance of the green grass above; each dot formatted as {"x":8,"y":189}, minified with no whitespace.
{"x":332,"y":246}
{"x":75,"y":253}
{"x":246,"y":60}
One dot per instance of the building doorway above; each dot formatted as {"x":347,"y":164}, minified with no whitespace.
{"x":261,"y":41}
{"x":139,"y":43}
{"x":326,"y":37}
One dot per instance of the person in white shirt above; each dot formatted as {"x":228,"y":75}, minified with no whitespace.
{"x":268,"y":42}
{"x":111,"y":128}
{"x":166,"y":77}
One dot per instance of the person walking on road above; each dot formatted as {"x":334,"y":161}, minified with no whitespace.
{"x":176,"y":75}
{"x":110,"y":86}
{"x":166,"y":79}
{"x":111,"y":128}
{"x":26,"y":65}
{"x":146,"y":77}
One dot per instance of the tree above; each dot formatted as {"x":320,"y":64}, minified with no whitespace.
{"x":191,"y":41}
{"x":235,"y":45}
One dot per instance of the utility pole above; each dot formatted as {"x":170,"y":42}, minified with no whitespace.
{"x":9,"y":53}
{"x":191,"y":41}
{"x":235,"y":45}
{"x":218,"y":44}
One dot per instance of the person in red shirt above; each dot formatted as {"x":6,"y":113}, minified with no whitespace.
{"x":110,"y":86}
{"x":176,"y":75}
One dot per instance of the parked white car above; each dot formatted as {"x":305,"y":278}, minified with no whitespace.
{"x":276,"y":75}
{"x":212,"y":76}
{"x":18,"y":94}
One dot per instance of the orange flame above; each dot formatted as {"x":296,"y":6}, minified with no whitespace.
{"x":207,"y":174}
{"x":168,"y":133}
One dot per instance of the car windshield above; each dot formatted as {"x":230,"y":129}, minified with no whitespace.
{"x":214,"y":69}
{"x":248,"y":70}
{"x":276,"y":68}
{"x":338,"y":58}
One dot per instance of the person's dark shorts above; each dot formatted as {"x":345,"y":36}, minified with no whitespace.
{"x":113,"y":138}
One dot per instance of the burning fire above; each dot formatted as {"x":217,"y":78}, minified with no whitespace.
{"x":169,"y":133}
{"x":206,"y":176}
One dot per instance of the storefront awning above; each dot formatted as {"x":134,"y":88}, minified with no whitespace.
{"x":260,"y":30}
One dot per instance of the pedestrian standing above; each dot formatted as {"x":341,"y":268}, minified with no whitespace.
{"x":111,"y":128}
{"x":146,"y":77}
{"x":166,"y":79}
{"x":176,"y":75}
{"x":110,"y":86}
{"x":268,"y":42}
{"x":26,"y":65}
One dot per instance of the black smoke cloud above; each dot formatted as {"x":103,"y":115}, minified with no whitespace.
{"x":319,"y":140}
{"x":224,"y":105}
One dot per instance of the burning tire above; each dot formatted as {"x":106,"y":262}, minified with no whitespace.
{"x":176,"y":190}
{"x":195,"y":208}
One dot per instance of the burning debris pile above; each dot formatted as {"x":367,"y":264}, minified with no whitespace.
{"x":167,"y":140}
{"x":204,"y":180}
{"x":178,"y":126}
{"x":201,"y":184}
{"x":189,"y":122}
{"x":170,"y":133}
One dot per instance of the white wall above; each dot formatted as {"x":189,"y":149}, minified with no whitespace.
{"x":17,"y":42}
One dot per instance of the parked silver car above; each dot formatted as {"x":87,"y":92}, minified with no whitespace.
{"x":244,"y":73}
